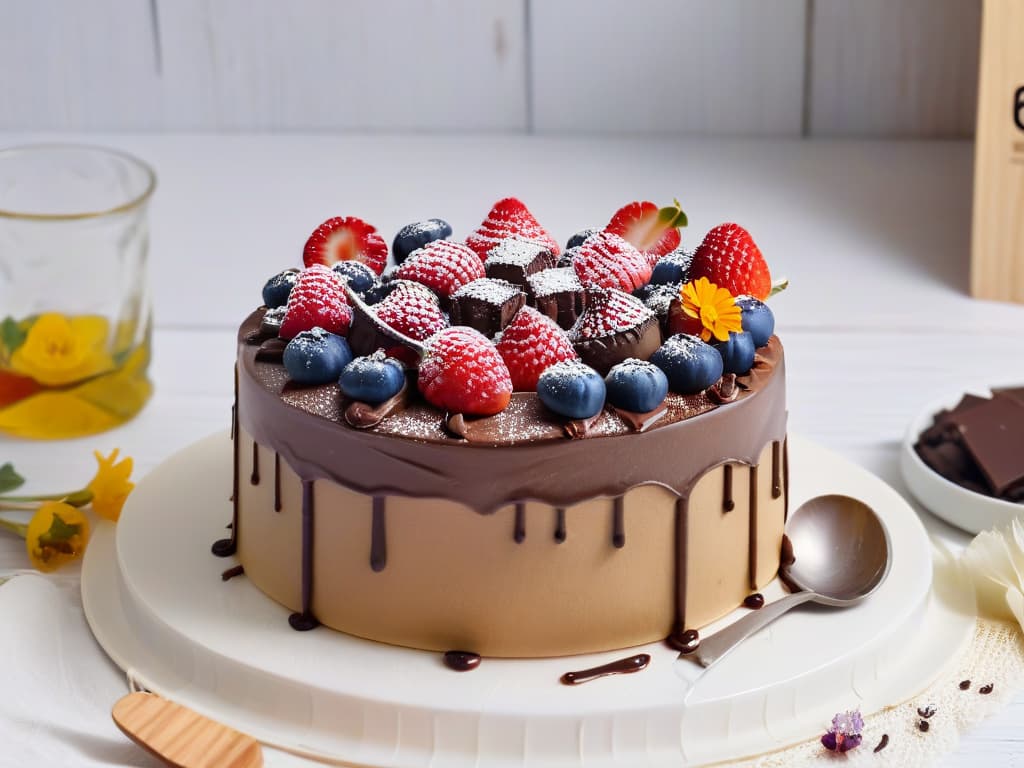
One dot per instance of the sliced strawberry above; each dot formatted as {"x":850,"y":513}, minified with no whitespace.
{"x":608,"y":261}
{"x":316,"y":300}
{"x":462,"y":372}
{"x":442,"y":266}
{"x":730,"y":258}
{"x":509,"y":217}
{"x":650,"y":229}
{"x":530,"y":345}
{"x":345,"y":239}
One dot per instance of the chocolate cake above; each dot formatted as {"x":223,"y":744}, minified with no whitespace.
{"x":519,"y":529}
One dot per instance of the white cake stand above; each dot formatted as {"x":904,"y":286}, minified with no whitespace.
{"x":155,"y":600}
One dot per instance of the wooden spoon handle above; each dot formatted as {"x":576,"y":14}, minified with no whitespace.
{"x":181,"y":737}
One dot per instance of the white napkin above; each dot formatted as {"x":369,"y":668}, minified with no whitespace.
{"x":58,"y":685}
{"x":995,"y":560}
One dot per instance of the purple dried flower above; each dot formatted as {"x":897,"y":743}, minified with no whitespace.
{"x":845,"y":733}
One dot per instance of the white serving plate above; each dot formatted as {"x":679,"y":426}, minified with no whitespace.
{"x":155,"y":600}
{"x":967,"y":510}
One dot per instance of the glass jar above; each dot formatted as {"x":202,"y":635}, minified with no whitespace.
{"x":74,"y":302}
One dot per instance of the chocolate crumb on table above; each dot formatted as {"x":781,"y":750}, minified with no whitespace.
{"x":883,"y":743}
{"x":987,"y":689}
{"x":923,"y":726}
{"x":965,"y":685}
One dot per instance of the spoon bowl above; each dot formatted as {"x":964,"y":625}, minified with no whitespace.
{"x":842,"y":554}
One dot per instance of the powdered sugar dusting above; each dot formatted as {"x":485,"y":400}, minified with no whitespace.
{"x":489,"y":290}
{"x":609,"y":312}
{"x":516,"y":252}
{"x":554,"y":281}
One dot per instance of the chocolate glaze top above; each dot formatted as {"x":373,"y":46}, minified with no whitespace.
{"x":521,"y":454}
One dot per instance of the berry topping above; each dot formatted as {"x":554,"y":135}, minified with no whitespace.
{"x":690,"y":365}
{"x":462,"y":372}
{"x":416,"y":235}
{"x":531,"y":344}
{"x":737,"y":353}
{"x":316,"y":300}
{"x":316,"y":357}
{"x":636,"y":385}
{"x":565,"y":260}
{"x":659,"y":298}
{"x":572,"y":389}
{"x":672,"y":268}
{"x":581,"y":236}
{"x":606,"y":260}
{"x":357,"y":276}
{"x":729,"y":257}
{"x":508,"y":218}
{"x":757,"y":318}
{"x":609,"y":312}
{"x":442,"y":266}
{"x":412,"y":310}
{"x":277,"y":288}
{"x":650,"y":229}
{"x":346,"y":239}
{"x":372,"y":379}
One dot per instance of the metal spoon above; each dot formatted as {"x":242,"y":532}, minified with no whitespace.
{"x":842,"y":555}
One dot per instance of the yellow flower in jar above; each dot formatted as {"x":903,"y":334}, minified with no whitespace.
{"x":61,"y":350}
{"x":56,"y":535}
{"x":110,"y":487}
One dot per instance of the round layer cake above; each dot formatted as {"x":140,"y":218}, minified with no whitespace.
{"x":517,"y":532}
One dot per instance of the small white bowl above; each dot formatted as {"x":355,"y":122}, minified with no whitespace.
{"x":967,"y":510}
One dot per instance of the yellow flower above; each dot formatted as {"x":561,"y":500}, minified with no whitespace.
{"x":60,"y":350}
{"x":56,"y":534}
{"x":110,"y":487}
{"x":714,"y":307}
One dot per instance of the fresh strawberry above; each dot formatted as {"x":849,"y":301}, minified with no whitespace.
{"x":531,"y":344}
{"x":729,"y":257}
{"x":609,"y":312}
{"x":442,"y":266}
{"x":608,"y":261}
{"x":651,"y":230}
{"x":462,"y":372}
{"x":412,"y":310}
{"x":508,"y":217}
{"x":316,"y":299}
{"x":344,"y":239}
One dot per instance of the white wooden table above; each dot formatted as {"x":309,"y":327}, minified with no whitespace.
{"x":873,"y":235}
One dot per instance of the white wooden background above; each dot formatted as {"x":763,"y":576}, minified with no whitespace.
{"x":873,"y":68}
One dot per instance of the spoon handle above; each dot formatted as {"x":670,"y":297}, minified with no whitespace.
{"x":723,"y":641}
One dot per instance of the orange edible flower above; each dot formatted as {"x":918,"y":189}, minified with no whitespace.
{"x":56,"y":535}
{"x":714,"y":307}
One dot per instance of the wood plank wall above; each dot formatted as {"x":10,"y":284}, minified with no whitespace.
{"x":874,"y":68}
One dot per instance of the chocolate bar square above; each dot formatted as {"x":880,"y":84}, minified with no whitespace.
{"x":993,"y":433}
{"x":557,"y":293}
{"x":487,"y":305}
{"x":514,"y":258}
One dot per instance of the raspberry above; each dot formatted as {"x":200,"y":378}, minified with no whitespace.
{"x":412,"y":310}
{"x":508,"y":218}
{"x":608,"y":261}
{"x":442,"y":266}
{"x":462,"y":372}
{"x":316,"y":300}
{"x":609,"y":312}
{"x":531,"y":344}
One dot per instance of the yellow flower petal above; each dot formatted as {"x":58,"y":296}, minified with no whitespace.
{"x":714,"y":306}
{"x":59,"y":350}
{"x":57,"y":534}
{"x":110,"y":487}
{"x":57,"y":414}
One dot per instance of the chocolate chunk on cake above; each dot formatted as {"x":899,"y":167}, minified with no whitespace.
{"x":557,"y":293}
{"x":614,"y":326}
{"x":514,"y":259}
{"x":488,"y":305}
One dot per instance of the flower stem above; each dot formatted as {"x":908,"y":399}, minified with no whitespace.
{"x":19,"y":528}
{"x":77,"y":498}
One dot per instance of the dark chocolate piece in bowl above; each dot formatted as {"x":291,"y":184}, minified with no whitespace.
{"x":487,"y":305}
{"x":993,"y":434}
{"x":515,"y":258}
{"x":557,"y":293}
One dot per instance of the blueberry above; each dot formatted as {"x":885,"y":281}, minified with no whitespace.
{"x":566,"y":257}
{"x":356,"y":275}
{"x":636,"y":385}
{"x":757,"y":318}
{"x":278,"y":288}
{"x":580,"y":236}
{"x":372,"y":379}
{"x":416,"y":235}
{"x":316,"y":357}
{"x":691,"y":365}
{"x":659,"y":298}
{"x":672,"y":268}
{"x":737,"y":353}
{"x":572,"y":389}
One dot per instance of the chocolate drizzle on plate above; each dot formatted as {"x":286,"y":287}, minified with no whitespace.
{"x":754,"y":601}
{"x":230,"y":573}
{"x":304,"y":620}
{"x":461,"y":661}
{"x":619,"y":667}
{"x":618,"y":523}
{"x":378,"y":536}
{"x":519,"y":533}
{"x":686,"y":641}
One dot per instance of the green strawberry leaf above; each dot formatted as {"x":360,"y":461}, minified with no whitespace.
{"x":9,"y":479}
{"x":673,"y":215}
{"x":779,"y":286}
{"x":12,"y":334}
